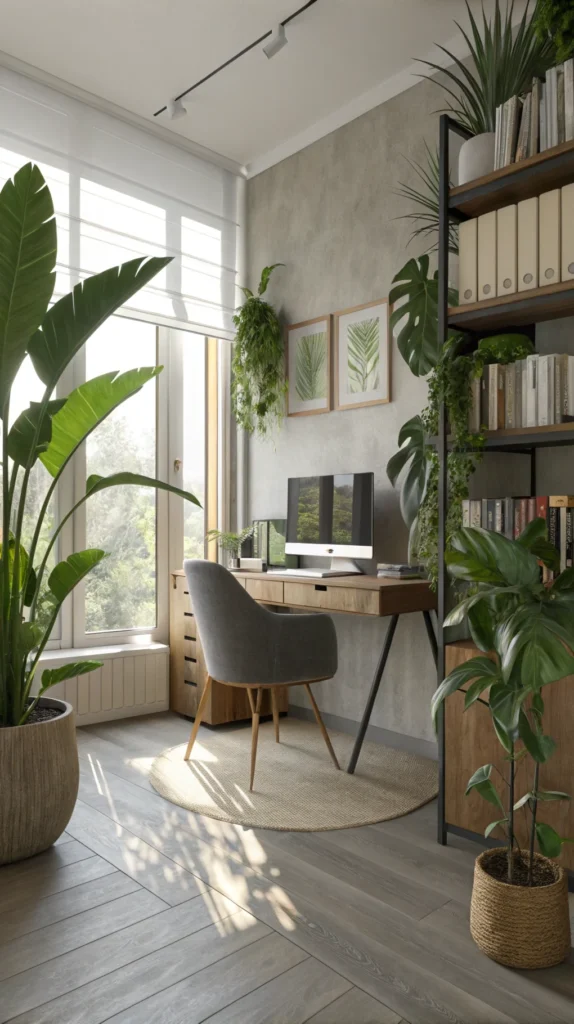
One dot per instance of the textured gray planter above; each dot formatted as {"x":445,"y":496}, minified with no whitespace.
{"x":39,"y":782}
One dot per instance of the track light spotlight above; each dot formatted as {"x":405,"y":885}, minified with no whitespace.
{"x":175,"y":109}
{"x":277,"y":41}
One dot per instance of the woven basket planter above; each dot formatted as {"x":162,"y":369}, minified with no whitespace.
{"x":519,"y":926}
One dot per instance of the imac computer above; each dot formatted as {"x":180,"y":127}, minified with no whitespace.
{"x":331,"y":516}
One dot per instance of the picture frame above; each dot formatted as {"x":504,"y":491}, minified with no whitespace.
{"x":362,"y":355}
{"x":308,"y":366}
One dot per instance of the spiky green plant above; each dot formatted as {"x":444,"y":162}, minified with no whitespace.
{"x":363,"y":355}
{"x":258,"y":384}
{"x":426,"y":199}
{"x":311,"y":367}
{"x":503,"y":62}
{"x":49,"y":431}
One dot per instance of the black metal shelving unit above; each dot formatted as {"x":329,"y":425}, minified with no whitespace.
{"x":521,"y":312}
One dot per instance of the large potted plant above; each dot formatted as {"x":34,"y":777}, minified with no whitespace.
{"x":503,"y":62}
{"x":525,"y":629}
{"x":38,"y":756}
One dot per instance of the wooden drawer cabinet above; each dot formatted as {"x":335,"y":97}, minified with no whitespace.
{"x":335,"y":599}
{"x":188,"y":672}
{"x":268,"y":591}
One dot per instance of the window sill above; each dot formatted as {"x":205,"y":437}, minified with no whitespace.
{"x":66,"y":655}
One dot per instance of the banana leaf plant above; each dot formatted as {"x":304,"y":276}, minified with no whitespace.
{"x":525,"y":630}
{"x":51,"y":430}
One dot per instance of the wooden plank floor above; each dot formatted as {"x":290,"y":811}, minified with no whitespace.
{"x":144,"y":913}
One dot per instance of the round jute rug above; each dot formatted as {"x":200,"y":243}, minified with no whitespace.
{"x":297,"y":788}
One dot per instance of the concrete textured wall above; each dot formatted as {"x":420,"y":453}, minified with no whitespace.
{"x":329,"y":214}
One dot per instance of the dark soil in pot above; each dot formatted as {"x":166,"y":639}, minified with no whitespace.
{"x":496,"y":865}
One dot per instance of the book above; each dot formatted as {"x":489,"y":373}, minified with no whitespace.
{"x":541,"y":507}
{"x":560,"y":379}
{"x":531,"y":509}
{"x":498,"y":515}
{"x":531,"y":419}
{"x":534,"y":136}
{"x":569,"y":100}
{"x":474,"y":411}
{"x":543,"y":143}
{"x":511,"y":129}
{"x":509,"y":518}
{"x":466,"y":512}
{"x":560,"y":106}
{"x":497,"y":138}
{"x":524,"y":389}
{"x":551,"y":108}
{"x":524,"y":130}
{"x":490,"y":511}
{"x":483,"y":512}
{"x":484,"y":398}
{"x":569,"y":538}
{"x":542,"y":392}
{"x":509,"y":395}
{"x":562,"y":548}
{"x":522,"y":514}
{"x":475,"y":512}
{"x":495,"y":396}
{"x":554,"y":527}
{"x":561,"y":500}
{"x":569,"y":387}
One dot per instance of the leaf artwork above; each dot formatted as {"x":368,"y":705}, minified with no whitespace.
{"x":363,"y":356}
{"x":311,"y":367}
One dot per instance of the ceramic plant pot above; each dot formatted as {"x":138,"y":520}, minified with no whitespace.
{"x":476,"y":157}
{"x":39,"y":773}
{"x":517,"y":925}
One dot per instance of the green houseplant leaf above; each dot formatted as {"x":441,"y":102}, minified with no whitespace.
{"x":481,"y":782}
{"x":258,"y":385}
{"x":417,"y":338}
{"x":52,"y":676}
{"x":69,"y":322}
{"x":85,"y":408}
{"x":27,"y":261}
{"x":31,"y":433}
{"x":412,"y":454}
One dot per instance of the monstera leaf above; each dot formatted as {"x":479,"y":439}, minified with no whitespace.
{"x":363,"y":356}
{"x":412,"y":453}
{"x":418,"y":336}
{"x":311,"y":367}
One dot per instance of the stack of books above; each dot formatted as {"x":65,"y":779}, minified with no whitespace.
{"x":534,"y":392}
{"x":400,"y":570}
{"x":510,"y":516}
{"x":527,"y":125}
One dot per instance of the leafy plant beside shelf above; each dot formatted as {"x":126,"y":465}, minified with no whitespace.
{"x":526,"y":633}
{"x":503,"y":62}
{"x":426,"y":199}
{"x":258,"y":384}
{"x":554,"y":22}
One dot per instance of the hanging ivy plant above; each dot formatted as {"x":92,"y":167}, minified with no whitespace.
{"x":258,"y":383}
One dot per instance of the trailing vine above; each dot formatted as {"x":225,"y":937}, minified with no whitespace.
{"x":258,"y":384}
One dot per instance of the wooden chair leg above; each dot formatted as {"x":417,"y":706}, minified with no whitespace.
{"x":250,"y":696}
{"x":255,"y":735}
{"x":321,"y":725}
{"x":198,"y":717}
{"x":275,"y":706}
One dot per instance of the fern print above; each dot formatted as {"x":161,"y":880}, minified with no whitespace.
{"x":311,"y":367}
{"x":363,"y":356}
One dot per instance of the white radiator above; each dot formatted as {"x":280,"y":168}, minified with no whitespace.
{"x":131,"y":681}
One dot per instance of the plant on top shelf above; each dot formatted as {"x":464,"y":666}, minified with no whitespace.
{"x":258,"y":384}
{"x":426,"y":198}
{"x":50,"y":431}
{"x":230,"y":542}
{"x":526,"y":633}
{"x":554,"y":22}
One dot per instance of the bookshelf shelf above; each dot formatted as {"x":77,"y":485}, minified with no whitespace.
{"x":524,"y":439}
{"x":520,"y":309}
{"x":552,"y":169}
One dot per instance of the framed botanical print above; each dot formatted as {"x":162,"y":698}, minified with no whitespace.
{"x":362,"y":356}
{"x":308,"y":348}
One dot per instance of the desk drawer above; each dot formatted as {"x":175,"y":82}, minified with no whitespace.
{"x":334,"y":599}
{"x":270,"y":591}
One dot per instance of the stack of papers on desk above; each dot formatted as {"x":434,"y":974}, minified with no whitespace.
{"x":400,"y":570}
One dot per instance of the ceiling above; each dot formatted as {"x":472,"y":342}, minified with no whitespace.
{"x":343,"y":57}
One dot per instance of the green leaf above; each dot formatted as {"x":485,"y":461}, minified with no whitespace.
{"x":537,"y":634}
{"x":96,"y":483}
{"x":505,"y":348}
{"x":85,"y":408}
{"x":265,"y":275}
{"x":68,"y":574}
{"x":475,"y":689}
{"x":29,"y":636}
{"x":476,"y":667}
{"x":23,"y":432}
{"x":549,"y":841}
{"x":70,"y":321}
{"x":413,"y":450}
{"x":27,"y":261}
{"x":564,"y":582}
{"x":481,"y":782}
{"x":539,"y":747}
{"x":523,"y":800}
{"x":552,"y":794}
{"x":417,"y":339}
{"x":23,"y":560}
{"x":482,"y":623}
{"x":51,"y":676}
{"x":490,"y":828}
{"x":489,"y":554}
{"x":363,"y":355}
{"x":502,"y":736}
{"x":311,"y":367}
{"x":534,"y":530}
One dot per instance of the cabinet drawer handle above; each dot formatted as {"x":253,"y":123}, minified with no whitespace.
{"x":320,"y":586}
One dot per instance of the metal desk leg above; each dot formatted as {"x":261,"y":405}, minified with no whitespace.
{"x":373,"y":694}
{"x":431,"y":635}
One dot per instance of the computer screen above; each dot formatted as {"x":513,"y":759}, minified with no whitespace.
{"x":330,"y":515}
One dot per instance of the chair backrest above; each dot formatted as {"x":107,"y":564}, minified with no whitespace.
{"x":237,"y":635}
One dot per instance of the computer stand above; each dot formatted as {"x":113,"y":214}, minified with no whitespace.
{"x":339,"y":567}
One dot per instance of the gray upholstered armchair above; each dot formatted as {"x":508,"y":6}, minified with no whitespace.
{"x":248,"y":645}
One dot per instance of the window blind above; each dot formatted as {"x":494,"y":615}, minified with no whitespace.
{"x":120,"y":192}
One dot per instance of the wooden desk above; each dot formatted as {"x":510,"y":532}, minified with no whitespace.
{"x":350,"y":595}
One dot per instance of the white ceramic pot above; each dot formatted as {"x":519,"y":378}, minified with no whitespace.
{"x":476,"y":157}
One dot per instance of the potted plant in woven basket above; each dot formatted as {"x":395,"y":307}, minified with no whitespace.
{"x":525,"y":627}
{"x":38,"y":755}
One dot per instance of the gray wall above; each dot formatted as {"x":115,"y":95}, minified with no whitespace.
{"x":329,"y":213}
